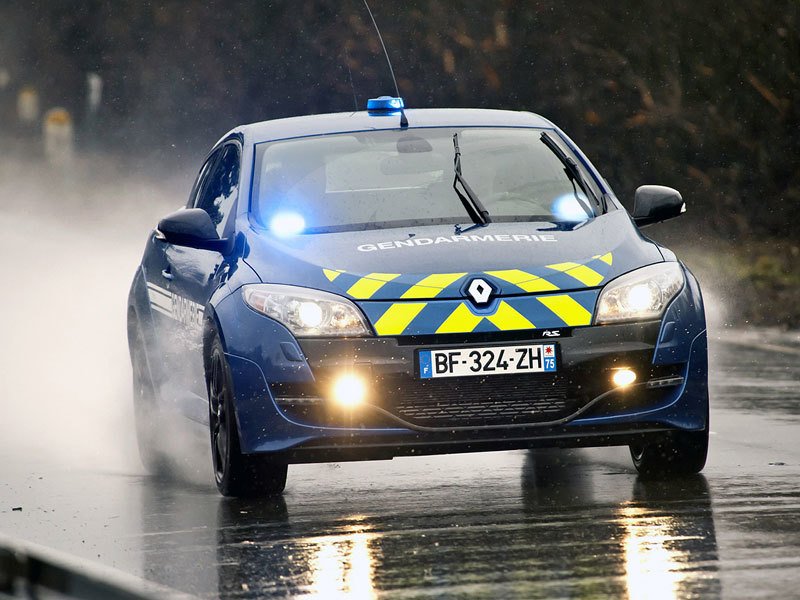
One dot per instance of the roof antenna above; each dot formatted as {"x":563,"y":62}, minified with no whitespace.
{"x":350,"y":72}
{"x":403,"y":120}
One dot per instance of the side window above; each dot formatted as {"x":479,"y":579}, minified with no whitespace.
{"x":218,"y":192}
{"x":202,"y":180}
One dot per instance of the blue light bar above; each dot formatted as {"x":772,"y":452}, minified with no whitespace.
{"x":287,"y":224}
{"x":385,"y":105}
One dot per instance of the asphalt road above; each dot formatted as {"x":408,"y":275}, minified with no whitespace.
{"x":495,"y":525}
{"x":507,"y":524}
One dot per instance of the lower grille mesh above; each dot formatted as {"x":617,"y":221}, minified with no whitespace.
{"x":478,"y":400}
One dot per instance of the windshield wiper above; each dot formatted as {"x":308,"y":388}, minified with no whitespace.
{"x":574,"y":175}
{"x":477,"y":212}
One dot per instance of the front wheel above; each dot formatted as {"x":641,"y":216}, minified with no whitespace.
{"x":236,"y":474}
{"x":682,"y":453}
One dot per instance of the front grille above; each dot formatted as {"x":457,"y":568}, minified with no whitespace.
{"x":477,"y":400}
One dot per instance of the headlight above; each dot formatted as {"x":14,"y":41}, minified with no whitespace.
{"x":307,"y":312}
{"x":640,"y":295}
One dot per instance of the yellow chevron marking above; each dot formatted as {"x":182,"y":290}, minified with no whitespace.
{"x":432,"y":285}
{"x":606,"y":258}
{"x":567,"y":309}
{"x":582,"y":273}
{"x":526,"y":281}
{"x":395,"y":320}
{"x":507,"y":318}
{"x":538,"y":285}
{"x":514,"y":276}
{"x":364,"y":288}
{"x":461,"y":320}
{"x":332,"y":274}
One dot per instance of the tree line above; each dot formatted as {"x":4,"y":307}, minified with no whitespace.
{"x":702,"y":96}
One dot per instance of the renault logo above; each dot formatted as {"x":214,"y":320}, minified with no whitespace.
{"x":480,"y":291}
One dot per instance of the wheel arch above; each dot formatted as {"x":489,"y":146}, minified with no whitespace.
{"x":139,"y":318}
{"x":211,"y":327}
{"x":133,"y":327}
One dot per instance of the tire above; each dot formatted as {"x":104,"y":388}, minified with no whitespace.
{"x":683,"y":453}
{"x":145,"y":409}
{"x":236,"y":474}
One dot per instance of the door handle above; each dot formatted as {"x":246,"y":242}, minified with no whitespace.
{"x":165,"y":273}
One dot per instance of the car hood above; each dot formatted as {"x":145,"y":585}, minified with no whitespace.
{"x":434,"y":262}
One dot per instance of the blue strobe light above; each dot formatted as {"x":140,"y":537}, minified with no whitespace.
{"x":287,"y":224}
{"x":385,"y":105}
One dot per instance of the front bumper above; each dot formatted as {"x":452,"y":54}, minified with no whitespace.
{"x":397,"y":397}
{"x":282,"y":409}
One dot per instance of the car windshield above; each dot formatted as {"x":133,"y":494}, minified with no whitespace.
{"x":396,"y":178}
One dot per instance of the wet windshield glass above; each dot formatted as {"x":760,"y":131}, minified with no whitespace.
{"x":382,"y":179}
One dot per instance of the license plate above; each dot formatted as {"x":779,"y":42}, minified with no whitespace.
{"x":492,"y":360}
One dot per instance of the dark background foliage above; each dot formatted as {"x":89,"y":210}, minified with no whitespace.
{"x":701,"y":96}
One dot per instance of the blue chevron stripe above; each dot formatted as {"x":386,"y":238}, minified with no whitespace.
{"x":397,"y":287}
{"x":436,"y":312}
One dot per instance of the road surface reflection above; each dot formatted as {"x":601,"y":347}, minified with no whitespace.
{"x":563,"y":530}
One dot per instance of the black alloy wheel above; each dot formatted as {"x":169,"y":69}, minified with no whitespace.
{"x":218,"y":418}
{"x":236,"y":474}
{"x":682,"y":453}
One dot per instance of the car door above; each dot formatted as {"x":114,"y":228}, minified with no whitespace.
{"x":195,"y":274}
{"x":166,"y":329}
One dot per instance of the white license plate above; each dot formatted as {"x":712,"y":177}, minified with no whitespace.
{"x":491,"y":360}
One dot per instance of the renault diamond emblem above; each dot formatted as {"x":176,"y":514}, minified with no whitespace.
{"x":480,"y":291}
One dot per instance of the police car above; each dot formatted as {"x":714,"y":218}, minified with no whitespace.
{"x":402,"y":282}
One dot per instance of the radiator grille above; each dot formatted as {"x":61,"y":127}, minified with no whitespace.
{"x":477,"y":400}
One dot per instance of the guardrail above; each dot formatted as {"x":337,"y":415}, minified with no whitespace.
{"x":30,"y":571}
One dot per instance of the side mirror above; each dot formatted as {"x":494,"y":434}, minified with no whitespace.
{"x":656,"y":203}
{"x":191,"y":227}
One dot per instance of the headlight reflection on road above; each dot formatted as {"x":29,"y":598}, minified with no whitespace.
{"x":653,"y":564}
{"x":342,"y":566}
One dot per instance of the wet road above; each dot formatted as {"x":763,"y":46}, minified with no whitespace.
{"x":495,"y":525}
{"x":508,"y":524}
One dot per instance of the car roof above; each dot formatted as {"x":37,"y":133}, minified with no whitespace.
{"x":292,"y":127}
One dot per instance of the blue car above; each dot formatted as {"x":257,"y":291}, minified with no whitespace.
{"x":399,"y":282}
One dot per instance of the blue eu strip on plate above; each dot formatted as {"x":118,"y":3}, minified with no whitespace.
{"x":425,"y":370}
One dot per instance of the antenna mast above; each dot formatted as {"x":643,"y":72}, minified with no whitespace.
{"x":380,"y":37}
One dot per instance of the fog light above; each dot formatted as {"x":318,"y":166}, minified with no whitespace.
{"x":623,"y":377}
{"x":349,"y":390}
